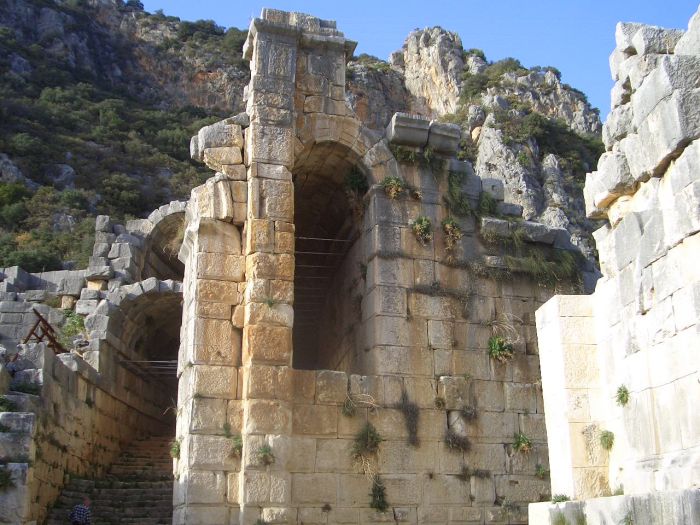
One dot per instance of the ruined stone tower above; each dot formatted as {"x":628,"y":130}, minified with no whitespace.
{"x":333,"y":281}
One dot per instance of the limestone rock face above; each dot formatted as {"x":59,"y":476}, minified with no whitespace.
{"x":546,"y":94}
{"x":127,"y":48}
{"x":432,"y":64}
{"x":375,"y":95}
{"x":546,"y":190}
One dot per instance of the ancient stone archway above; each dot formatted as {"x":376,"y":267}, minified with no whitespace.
{"x":267,"y":407}
{"x":135,"y":331}
{"x":163,"y":242}
{"x":329,"y":189}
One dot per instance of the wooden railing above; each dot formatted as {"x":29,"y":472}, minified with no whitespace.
{"x":42,"y":330}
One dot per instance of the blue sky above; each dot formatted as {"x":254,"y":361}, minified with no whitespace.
{"x":575,"y":36}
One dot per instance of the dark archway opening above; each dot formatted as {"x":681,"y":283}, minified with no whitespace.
{"x":152,"y":331}
{"x":327,"y":295}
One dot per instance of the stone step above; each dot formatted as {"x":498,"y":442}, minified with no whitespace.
{"x":138,"y":489}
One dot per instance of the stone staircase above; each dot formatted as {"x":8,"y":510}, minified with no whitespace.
{"x":137,"y":490}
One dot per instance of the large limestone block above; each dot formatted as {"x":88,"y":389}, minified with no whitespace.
{"x":215,"y":381}
{"x":208,"y":415}
{"x":217,"y":237}
{"x":315,"y":420}
{"x":444,"y":138}
{"x":385,"y":330}
{"x":407,"y":130}
{"x":655,"y":40}
{"x":624,"y":241}
{"x":683,"y":171}
{"x":385,"y":300}
{"x":396,"y":457}
{"x":315,"y":488}
{"x":216,"y":342}
{"x":220,"y":266}
{"x":204,"y":487}
{"x":332,"y":455}
{"x":219,"y":134}
{"x":618,"y":125}
{"x":671,"y":73}
{"x":446,"y":490}
{"x":295,"y":454}
{"x":277,"y":200}
{"x":689,"y":43}
{"x":398,"y":359}
{"x":353,"y":490}
{"x":211,"y":452}
{"x":279,"y":314}
{"x":269,"y":266}
{"x":260,"y":236}
{"x":613,"y":179}
{"x":624,"y":32}
{"x":268,"y":417}
{"x":269,"y":144}
{"x":267,"y":344}
{"x":217,"y":158}
{"x":635,"y":69}
{"x":673,"y":122}
{"x":269,"y":382}
{"x":331,"y":387}
{"x":225,"y":292}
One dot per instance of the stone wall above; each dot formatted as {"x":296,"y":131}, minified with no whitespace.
{"x":624,"y":360}
{"x":75,"y":412}
{"x":68,"y":421}
{"x":405,"y":327}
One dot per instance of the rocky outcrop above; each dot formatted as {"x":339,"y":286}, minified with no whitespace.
{"x":544,"y":92}
{"x":432,"y":62}
{"x":129,"y":49}
{"x":375,"y":94}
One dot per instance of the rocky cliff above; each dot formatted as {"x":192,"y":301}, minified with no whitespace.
{"x":523,"y":126}
{"x":99,"y":99}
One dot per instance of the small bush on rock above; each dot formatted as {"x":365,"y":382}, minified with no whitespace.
{"x":423,"y":229}
{"x":500,"y":349}
{"x":522,"y":443}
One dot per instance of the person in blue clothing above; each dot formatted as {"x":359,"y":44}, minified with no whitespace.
{"x":81,"y":514}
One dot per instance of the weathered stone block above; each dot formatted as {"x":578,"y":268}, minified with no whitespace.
{"x":269,"y":266}
{"x":269,"y":382}
{"x":277,"y":198}
{"x":303,"y":457}
{"x":314,"y":488}
{"x":315,"y":420}
{"x":269,"y":144}
{"x":215,"y":381}
{"x":225,"y":292}
{"x":408,"y":130}
{"x":331,"y":387}
{"x":333,"y":455}
{"x":211,"y":452}
{"x":218,"y":237}
{"x":205,"y":487}
{"x":655,"y":40}
{"x":268,"y":417}
{"x":208,"y":415}
{"x":444,"y":138}
{"x":217,"y":158}
{"x":267,"y":344}
{"x":278,"y":314}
